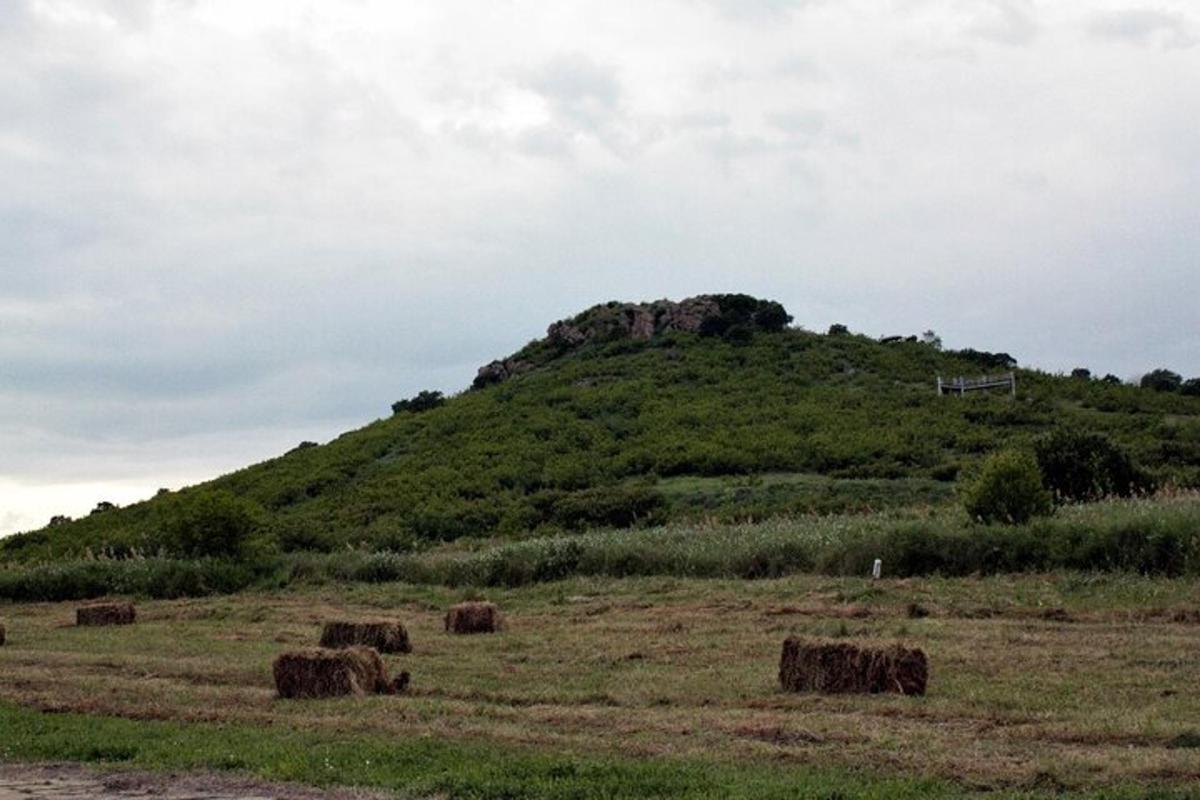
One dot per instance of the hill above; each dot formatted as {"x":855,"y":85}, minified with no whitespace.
{"x":634,"y":414}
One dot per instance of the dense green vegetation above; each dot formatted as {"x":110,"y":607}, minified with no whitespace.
{"x":1148,"y":537}
{"x":626,"y":432}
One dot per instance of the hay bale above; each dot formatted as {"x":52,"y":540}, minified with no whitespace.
{"x":105,"y":613}
{"x":474,"y":617}
{"x":386,"y":637}
{"x":330,"y":673}
{"x":838,"y":668}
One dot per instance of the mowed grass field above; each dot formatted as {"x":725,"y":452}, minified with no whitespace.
{"x":1085,"y":684}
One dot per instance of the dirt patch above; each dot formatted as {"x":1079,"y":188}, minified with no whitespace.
{"x":840,"y":668}
{"x":777,"y":734}
{"x":474,"y":617}
{"x":333,"y":673}
{"x":63,"y":781}
{"x":846,"y":611}
{"x":105,"y":613}
{"x":386,"y":637}
{"x":916,"y":611}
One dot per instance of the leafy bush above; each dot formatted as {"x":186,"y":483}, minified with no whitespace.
{"x":1079,"y":466}
{"x":209,"y":523}
{"x":1008,"y":489}
{"x":1190,"y":387}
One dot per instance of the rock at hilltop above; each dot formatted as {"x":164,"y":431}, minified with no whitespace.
{"x":732,"y":316}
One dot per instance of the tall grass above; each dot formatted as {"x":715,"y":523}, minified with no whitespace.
{"x":1159,"y":536}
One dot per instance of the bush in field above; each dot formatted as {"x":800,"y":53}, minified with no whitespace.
{"x":1190,"y":387}
{"x":1008,"y":489}
{"x":209,"y":523}
{"x":1078,"y":466}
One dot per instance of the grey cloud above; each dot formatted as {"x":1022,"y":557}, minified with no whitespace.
{"x":1009,"y":22}
{"x":577,"y":89}
{"x":799,"y":123}
{"x":759,"y":10}
{"x":1143,"y":26}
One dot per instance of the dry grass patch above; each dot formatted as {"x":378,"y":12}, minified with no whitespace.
{"x":1012,"y":696}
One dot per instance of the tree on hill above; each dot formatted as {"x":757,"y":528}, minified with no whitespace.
{"x":1162,"y":380}
{"x":1081,"y":374}
{"x":1190,"y":387}
{"x":985,"y":359}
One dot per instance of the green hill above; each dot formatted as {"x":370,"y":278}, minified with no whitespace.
{"x":637,"y":414}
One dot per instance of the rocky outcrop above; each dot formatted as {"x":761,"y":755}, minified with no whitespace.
{"x":727,"y":315}
{"x":498,"y":371}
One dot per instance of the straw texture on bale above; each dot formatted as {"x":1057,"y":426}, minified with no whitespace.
{"x":330,"y":673}
{"x":105,"y":613}
{"x":839,"y":668}
{"x":386,"y":637}
{"x":474,"y":617}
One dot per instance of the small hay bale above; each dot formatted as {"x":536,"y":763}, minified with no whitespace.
{"x":838,"y":668}
{"x":105,"y":613}
{"x":474,"y":617}
{"x":330,"y":673}
{"x":386,"y":637}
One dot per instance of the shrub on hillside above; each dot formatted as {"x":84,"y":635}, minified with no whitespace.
{"x":1190,"y":387}
{"x":423,"y":400}
{"x":1079,"y":466}
{"x":209,"y":523}
{"x":1008,"y":489}
{"x":604,"y":507}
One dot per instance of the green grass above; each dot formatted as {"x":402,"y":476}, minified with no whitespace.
{"x":418,"y":767}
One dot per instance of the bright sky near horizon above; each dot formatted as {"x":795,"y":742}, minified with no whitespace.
{"x":229,"y":226}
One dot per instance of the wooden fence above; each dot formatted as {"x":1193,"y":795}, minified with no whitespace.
{"x":961,"y":386}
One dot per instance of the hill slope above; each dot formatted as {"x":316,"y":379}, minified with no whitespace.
{"x":631,"y":414}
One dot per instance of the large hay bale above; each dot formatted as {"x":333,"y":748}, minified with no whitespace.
{"x":105,"y":613}
{"x":837,"y":668}
{"x":330,"y":673}
{"x":474,"y":617}
{"x":386,"y":637}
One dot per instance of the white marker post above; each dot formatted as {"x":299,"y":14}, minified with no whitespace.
{"x":877,"y":569}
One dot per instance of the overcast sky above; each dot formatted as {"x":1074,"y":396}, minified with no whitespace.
{"x":229,"y":226}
